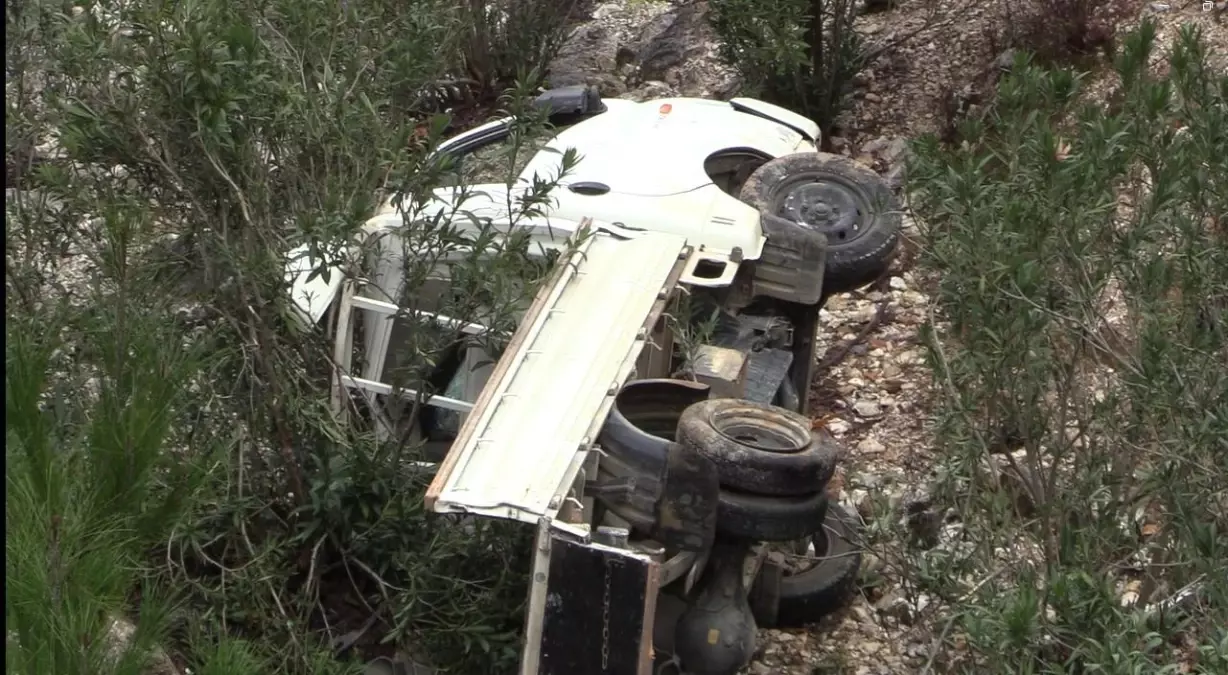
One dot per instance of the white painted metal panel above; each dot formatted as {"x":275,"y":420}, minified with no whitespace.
{"x":312,"y":295}
{"x":527,"y":438}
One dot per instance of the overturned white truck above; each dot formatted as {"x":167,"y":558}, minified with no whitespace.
{"x":670,"y":512}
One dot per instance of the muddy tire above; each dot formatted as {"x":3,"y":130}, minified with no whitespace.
{"x":636,"y":438}
{"x":760,"y":518}
{"x":811,"y":594}
{"x":832,"y":194}
{"x":759,"y":449}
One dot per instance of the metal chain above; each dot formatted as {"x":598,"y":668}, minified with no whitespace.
{"x":605,"y":618}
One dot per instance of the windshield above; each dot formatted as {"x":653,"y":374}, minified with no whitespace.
{"x":492,"y":157}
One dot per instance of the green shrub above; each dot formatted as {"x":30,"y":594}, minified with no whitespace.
{"x":103,"y":459}
{"x":800,"y":54}
{"x":1081,"y":261}
{"x":510,"y":41}
{"x":226,"y":133}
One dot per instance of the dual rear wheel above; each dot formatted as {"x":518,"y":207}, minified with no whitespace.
{"x":774,"y":471}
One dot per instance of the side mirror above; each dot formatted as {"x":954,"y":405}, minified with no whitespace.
{"x":574,"y":101}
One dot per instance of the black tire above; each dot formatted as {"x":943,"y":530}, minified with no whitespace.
{"x":638,"y":506}
{"x":758,"y":448}
{"x":759,"y":518}
{"x":848,"y":202}
{"x":645,"y":417}
{"x":636,"y":437}
{"x":810,"y":595}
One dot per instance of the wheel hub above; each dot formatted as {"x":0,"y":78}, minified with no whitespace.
{"x":824,"y":205}
{"x":770,"y":432}
{"x":764,"y":439}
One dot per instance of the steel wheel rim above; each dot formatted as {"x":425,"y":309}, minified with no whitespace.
{"x":824,"y":203}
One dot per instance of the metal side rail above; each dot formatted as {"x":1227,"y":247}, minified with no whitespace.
{"x":521,"y":448}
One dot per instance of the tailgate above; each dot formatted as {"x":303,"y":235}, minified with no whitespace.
{"x":522,"y":446}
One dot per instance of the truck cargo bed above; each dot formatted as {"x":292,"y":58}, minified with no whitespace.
{"x":522,"y":446}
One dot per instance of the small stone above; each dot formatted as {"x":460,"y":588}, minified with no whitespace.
{"x":874,"y":98}
{"x":652,"y":89}
{"x":120,"y":635}
{"x":875,"y":146}
{"x":760,"y":668}
{"x":867,"y":409}
{"x":869,"y":481}
{"x":871,"y":564}
{"x":870,"y":446}
{"x":895,"y":150}
{"x":1160,"y":7}
{"x":862,"y":614}
{"x":838,"y":427}
{"x":895,"y":605}
{"x":897,"y":284}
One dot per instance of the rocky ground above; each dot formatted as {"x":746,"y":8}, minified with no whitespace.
{"x":874,"y":389}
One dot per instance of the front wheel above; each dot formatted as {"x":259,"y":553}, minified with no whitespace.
{"x":847,"y":202}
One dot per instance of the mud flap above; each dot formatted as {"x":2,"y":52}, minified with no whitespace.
{"x":792,"y":264}
{"x":686,"y":511}
{"x":598,"y":610}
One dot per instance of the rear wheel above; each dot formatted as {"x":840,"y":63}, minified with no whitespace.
{"x":819,"y":575}
{"x":750,"y":517}
{"x":847,"y":202}
{"x":757,"y":448}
